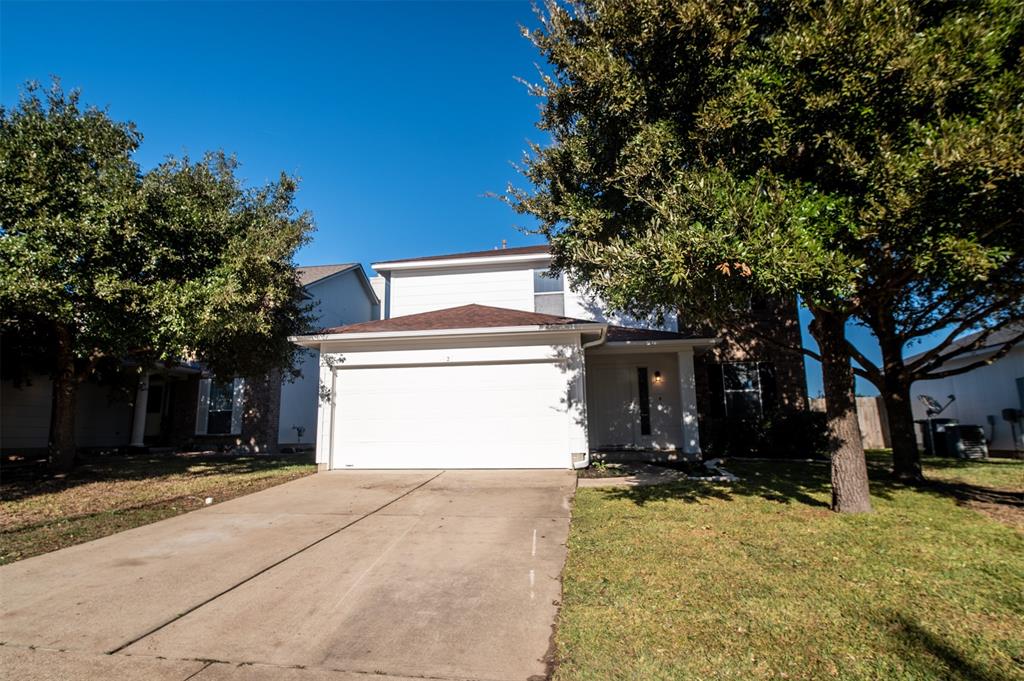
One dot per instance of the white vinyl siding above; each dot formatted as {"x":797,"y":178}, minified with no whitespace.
{"x":436,"y":289}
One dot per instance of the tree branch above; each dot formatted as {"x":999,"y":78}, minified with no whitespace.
{"x":925,"y":362}
{"x":1002,"y":352}
{"x":870,"y":370}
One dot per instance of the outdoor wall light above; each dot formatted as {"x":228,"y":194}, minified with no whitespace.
{"x":657,"y":378}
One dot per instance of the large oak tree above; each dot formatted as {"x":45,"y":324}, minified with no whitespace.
{"x":105,"y":266}
{"x":858,"y":154}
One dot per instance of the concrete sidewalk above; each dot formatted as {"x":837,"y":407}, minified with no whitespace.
{"x":414,"y":573}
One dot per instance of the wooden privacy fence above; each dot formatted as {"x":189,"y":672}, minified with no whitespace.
{"x":874,"y":428}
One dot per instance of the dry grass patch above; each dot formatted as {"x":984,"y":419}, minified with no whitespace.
{"x":109,"y":494}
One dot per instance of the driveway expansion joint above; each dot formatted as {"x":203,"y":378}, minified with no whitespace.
{"x":268,"y":568}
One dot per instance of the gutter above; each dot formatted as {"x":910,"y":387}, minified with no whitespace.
{"x":458,"y":262}
{"x":314,"y":340}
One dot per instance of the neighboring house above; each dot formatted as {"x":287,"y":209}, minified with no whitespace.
{"x":184,"y":406}
{"x":342,"y":295}
{"x":981,"y":393}
{"x":482,"y":360}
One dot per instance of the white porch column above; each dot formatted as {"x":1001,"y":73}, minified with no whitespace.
{"x":139,"y":418}
{"x":688,"y":402}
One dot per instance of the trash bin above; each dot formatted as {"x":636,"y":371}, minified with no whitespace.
{"x":935,"y":438}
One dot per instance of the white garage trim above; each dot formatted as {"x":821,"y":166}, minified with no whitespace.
{"x":491,"y":402}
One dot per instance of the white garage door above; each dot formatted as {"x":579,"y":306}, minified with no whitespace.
{"x":461,"y":416}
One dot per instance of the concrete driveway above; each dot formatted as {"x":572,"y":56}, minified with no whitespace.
{"x":441,"y":574}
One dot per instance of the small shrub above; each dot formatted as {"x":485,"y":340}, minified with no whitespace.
{"x":785,"y":434}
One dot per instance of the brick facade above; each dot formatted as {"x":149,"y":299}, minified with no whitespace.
{"x":770,"y":337}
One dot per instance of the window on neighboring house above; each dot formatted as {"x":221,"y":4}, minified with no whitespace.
{"x":548,"y":293}
{"x":742,"y":389}
{"x":220,"y":407}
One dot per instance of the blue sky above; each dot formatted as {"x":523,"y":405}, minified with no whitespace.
{"x":399,"y":118}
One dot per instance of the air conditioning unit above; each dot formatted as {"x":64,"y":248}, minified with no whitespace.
{"x":949,"y":438}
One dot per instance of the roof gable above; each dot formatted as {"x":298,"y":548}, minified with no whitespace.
{"x":313,"y":273}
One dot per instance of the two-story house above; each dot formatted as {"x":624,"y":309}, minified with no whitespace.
{"x":483,"y":360}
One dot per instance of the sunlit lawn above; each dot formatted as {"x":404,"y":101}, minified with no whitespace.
{"x":759,"y":580}
{"x":109,"y":494}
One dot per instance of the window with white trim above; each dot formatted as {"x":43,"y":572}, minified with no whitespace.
{"x":548,"y":292}
{"x":219,"y":411}
{"x":741,"y":388}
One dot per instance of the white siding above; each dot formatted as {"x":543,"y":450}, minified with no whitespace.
{"x":339,"y":300}
{"x":612,"y":408}
{"x":980,"y":393}
{"x":588,"y":306}
{"x":379,"y":287}
{"x":508,"y":286}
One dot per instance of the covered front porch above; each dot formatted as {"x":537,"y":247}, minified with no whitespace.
{"x":641,"y":395}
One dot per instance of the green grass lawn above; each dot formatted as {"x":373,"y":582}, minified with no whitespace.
{"x":759,"y":580}
{"x":108,"y":494}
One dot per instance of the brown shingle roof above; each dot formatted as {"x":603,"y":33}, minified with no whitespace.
{"x":542,"y":249}
{"x":462,"y":317}
{"x":314,"y":273}
{"x":485,"y":316}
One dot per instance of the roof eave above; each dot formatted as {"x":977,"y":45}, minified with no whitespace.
{"x":664,"y":344}
{"x":458,"y":262}
{"x":315,"y":340}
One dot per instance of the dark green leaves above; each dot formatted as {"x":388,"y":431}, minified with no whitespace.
{"x":182,"y":262}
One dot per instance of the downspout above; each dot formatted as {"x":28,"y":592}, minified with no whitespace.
{"x":585,"y":461}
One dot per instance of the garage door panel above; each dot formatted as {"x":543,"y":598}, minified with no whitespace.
{"x":467,"y":416}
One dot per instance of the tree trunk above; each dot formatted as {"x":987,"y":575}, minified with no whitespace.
{"x":906,"y":458}
{"x":850,"y":493}
{"x":65,"y":390}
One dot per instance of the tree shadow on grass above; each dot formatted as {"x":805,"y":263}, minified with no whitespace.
{"x":786,"y":482}
{"x":807,"y":483}
{"x":955,"y":464}
{"x":937,"y":657}
{"x":782,"y":482}
{"x":127,"y":467}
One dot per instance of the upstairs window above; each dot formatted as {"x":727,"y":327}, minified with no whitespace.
{"x":548,"y":293}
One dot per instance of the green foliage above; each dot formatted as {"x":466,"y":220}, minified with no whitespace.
{"x":857,"y":153}
{"x":181,"y":262}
